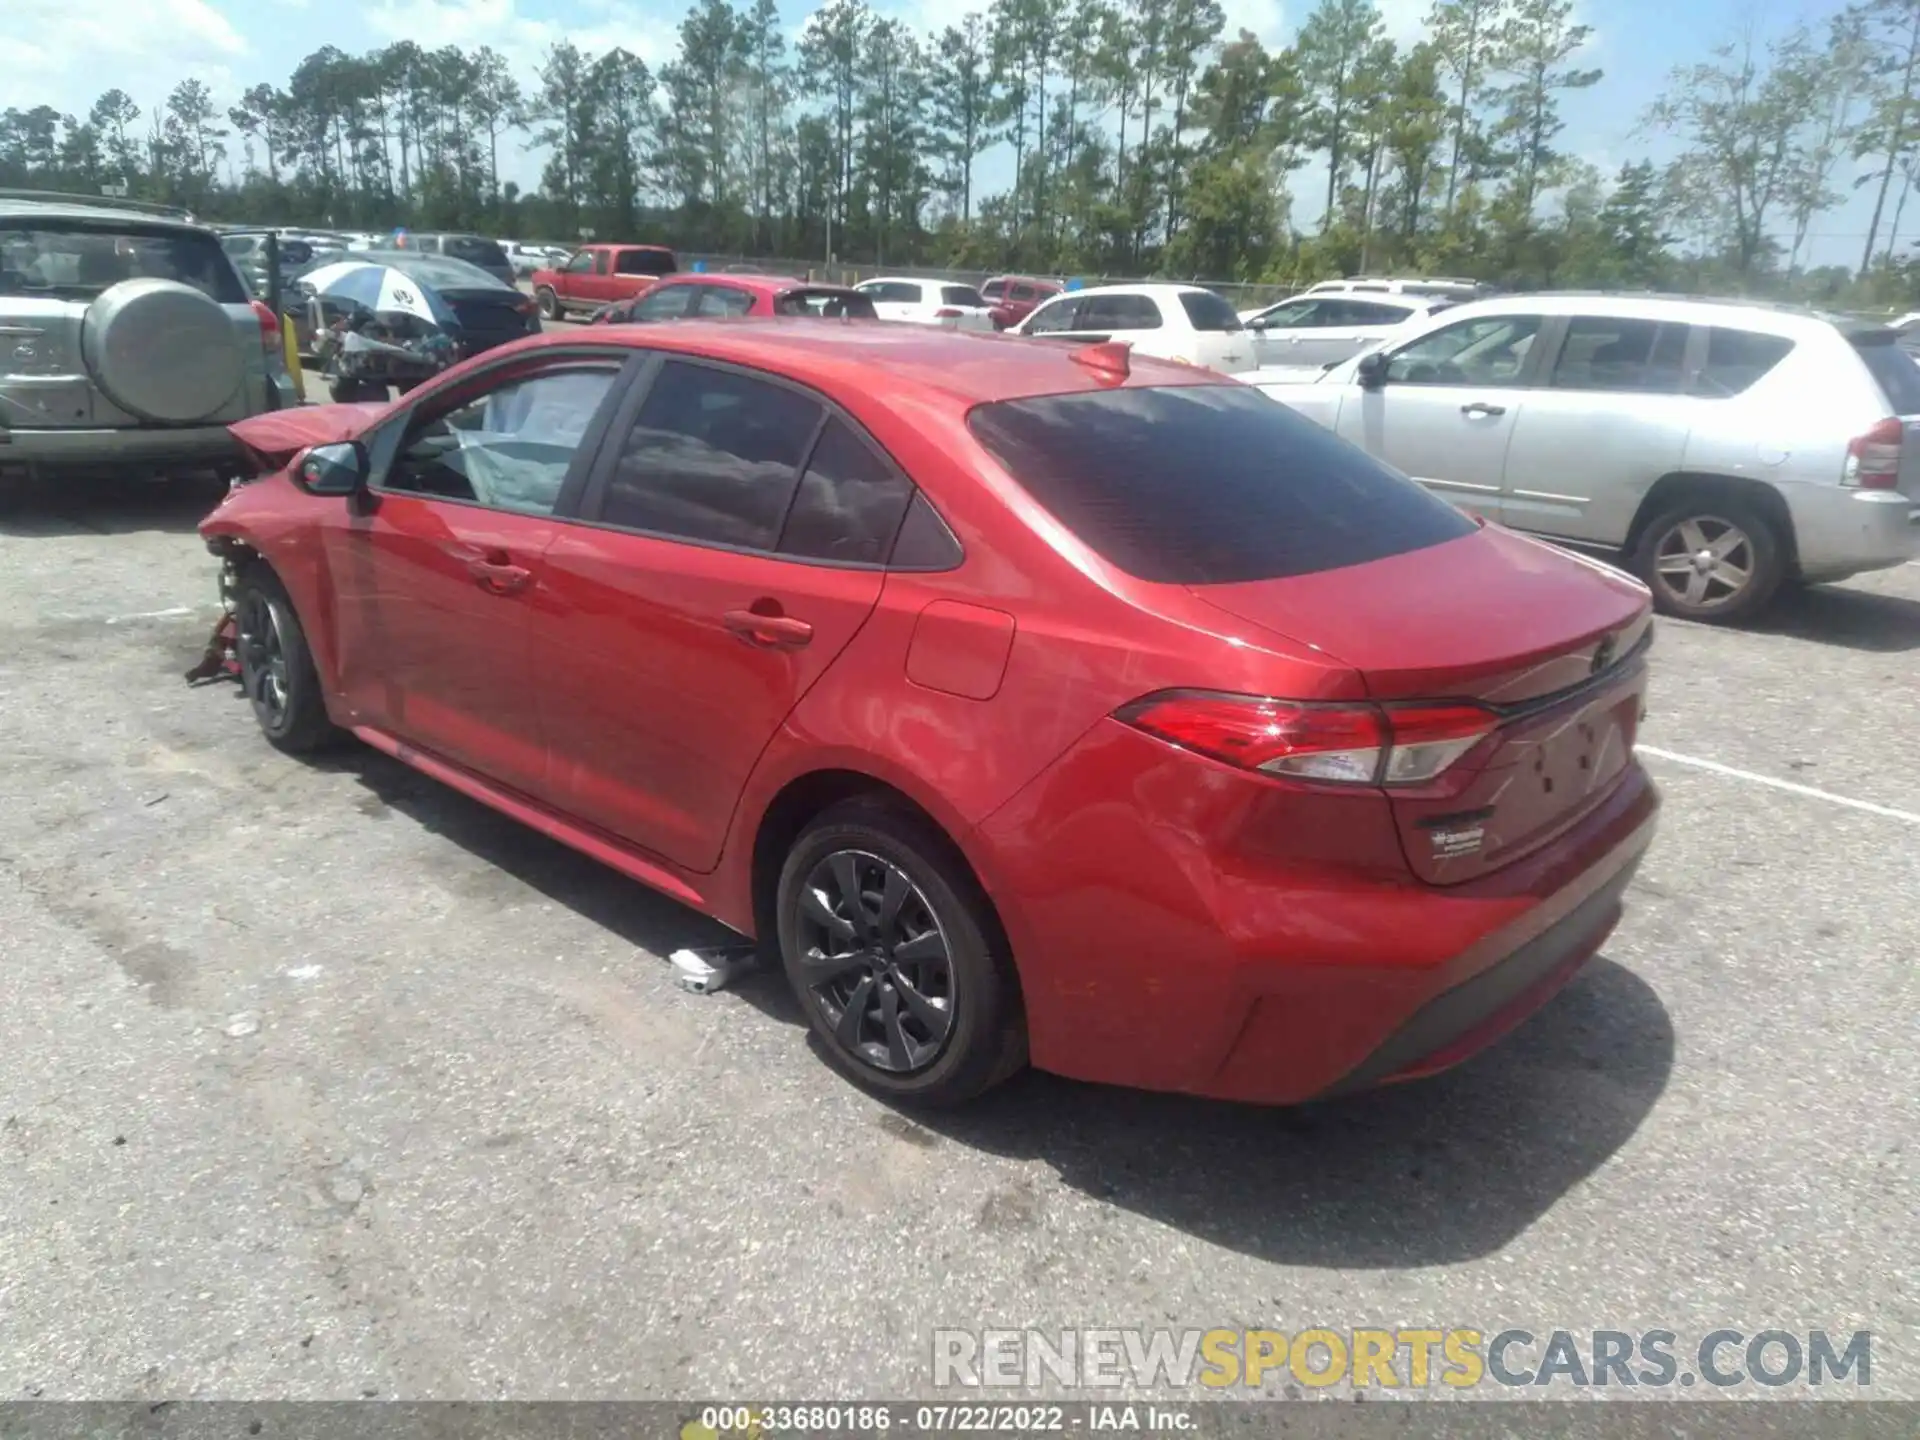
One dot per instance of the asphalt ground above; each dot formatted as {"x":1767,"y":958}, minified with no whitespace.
{"x":323,"y":1081}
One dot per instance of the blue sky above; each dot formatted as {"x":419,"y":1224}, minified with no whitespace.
{"x":64,"y":53}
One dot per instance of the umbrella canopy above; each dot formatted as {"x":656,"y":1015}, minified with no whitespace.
{"x":381,"y":289}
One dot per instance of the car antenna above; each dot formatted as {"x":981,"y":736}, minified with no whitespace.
{"x":1108,"y":359}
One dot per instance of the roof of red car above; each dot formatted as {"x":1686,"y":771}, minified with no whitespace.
{"x":970,"y":366}
{"x":759,"y":284}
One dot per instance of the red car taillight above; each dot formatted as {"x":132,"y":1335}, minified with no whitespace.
{"x":526,"y":305}
{"x":1338,"y":744}
{"x":1873,"y":459}
{"x":948,"y":314}
{"x":269,"y":327}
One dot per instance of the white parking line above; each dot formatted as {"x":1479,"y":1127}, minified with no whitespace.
{"x":168,"y":614}
{"x":1886,"y":811}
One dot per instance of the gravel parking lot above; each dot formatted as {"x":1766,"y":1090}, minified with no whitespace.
{"x":323,"y":1081}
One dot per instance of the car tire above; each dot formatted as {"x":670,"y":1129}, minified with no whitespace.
{"x":1716,"y":561}
{"x":548,"y":301}
{"x":276,"y":667}
{"x":930,"y":1012}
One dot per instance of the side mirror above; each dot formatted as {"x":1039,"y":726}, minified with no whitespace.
{"x":333,"y":469}
{"x":1371,"y":371}
{"x":1258,"y":323}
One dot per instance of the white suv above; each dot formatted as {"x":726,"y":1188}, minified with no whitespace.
{"x":1724,"y":447}
{"x":1171,"y":322}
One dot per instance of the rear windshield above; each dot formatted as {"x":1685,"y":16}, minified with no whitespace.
{"x":644,"y":262}
{"x":1208,"y":311}
{"x":962,"y":295}
{"x":78,"y":262}
{"x":475,"y":251}
{"x":1894,"y":370}
{"x":440,"y":271}
{"x":1208,"y":484}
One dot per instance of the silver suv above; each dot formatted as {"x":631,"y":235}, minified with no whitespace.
{"x":1725,"y":447}
{"x":127,"y":340}
{"x":1321,"y":328}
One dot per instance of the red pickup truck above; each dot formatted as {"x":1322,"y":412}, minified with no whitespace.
{"x":598,"y":275}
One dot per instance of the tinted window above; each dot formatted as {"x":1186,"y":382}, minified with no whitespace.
{"x":892,"y":292}
{"x":475,"y":251}
{"x":1297,"y":315}
{"x":962,"y":295}
{"x":510,"y":448}
{"x":1896,"y":373}
{"x":1737,"y":358}
{"x":1055,"y":315}
{"x":712,"y":456}
{"x":1368,"y":312}
{"x":849,"y":503}
{"x":722,"y":300}
{"x":826,"y":304}
{"x":1022,"y":292}
{"x":1208,"y":311}
{"x":668,"y":302}
{"x":1607,"y":354}
{"x":994,"y":289}
{"x":81,"y":261}
{"x":1105,"y":314}
{"x":645,"y":262}
{"x":924,"y":542}
{"x":1489,"y":350}
{"x":1278,"y":495}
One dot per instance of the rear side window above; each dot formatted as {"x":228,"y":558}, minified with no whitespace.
{"x":644,"y":262}
{"x":1738,"y":358}
{"x":849,"y":504}
{"x":1895,"y":371}
{"x":1208,"y":311}
{"x":475,"y":251}
{"x":1108,"y":313}
{"x":825,"y":304}
{"x":1619,"y":354}
{"x":722,"y":300}
{"x":712,"y":457}
{"x":1055,"y":315}
{"x":1277,"y":496}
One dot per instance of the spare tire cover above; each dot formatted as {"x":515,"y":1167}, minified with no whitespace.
{"x":162,"y":350}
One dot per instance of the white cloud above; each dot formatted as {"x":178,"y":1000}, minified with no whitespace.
{"x":61,"y":54}
{"x":522,"y":38}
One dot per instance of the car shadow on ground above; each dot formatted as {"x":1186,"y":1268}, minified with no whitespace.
{"x":1435,"y":1172}
{"x":1840,"y":615}
{"x":1431,"y":1173}
{"x":40,"y":509}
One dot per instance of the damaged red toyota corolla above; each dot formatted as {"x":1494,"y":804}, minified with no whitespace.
{"x":1027,"y":703}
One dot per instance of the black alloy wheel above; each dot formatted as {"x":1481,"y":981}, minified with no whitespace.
{"x":875,"y":961}
{"x":896,"y":955}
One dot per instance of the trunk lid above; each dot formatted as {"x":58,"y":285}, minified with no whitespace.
{"x":270,"y":441}
{"x":1553,"y":643}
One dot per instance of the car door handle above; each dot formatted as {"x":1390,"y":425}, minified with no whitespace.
{"x":776,"y":632}
{"x":1481,"y":407}
{"x":498,"y":575}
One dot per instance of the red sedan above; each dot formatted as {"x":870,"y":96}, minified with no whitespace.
{"x":710,"y":297}
{"x":1025,"y":702}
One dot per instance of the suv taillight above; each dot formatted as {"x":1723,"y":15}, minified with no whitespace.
{"x":1336,"y":744}
{"x":269,"y":327}
{"x":1873,"y":459}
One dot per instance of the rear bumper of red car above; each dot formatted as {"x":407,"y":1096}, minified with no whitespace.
{"x":1171,"y":937}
